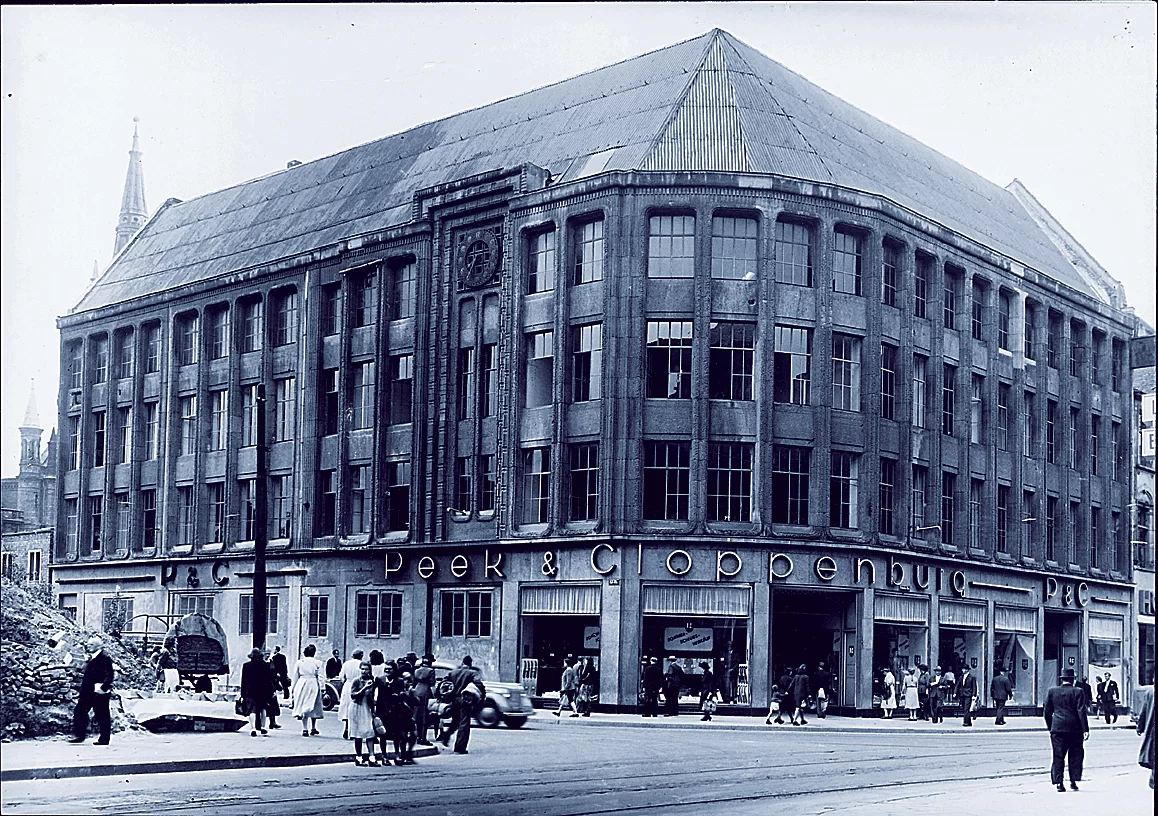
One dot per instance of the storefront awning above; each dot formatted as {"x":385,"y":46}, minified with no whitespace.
{"x":678,"y":599}
{"x":901,"y":609}
{"x":1014,"y":619}
{"x":971,"y":616}
{"x":1105,"y":628}
{"x":561,"y":599}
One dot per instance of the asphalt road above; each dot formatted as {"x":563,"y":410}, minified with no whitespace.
{"x":560,"y":768}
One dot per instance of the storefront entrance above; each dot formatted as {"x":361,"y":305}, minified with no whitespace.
{"x":811,"y":627}
{"x":1062,"y":649}
{"x":962,"y":643}
{"x":556,"y":621}
{"x":700,"y":624}
{"x":1014,"y":651}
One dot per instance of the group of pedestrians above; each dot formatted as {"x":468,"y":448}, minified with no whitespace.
{"x":577,"y":687}
{"x":923,"y":693}
{"x":671,"y":681}
{"x":796,"y":691}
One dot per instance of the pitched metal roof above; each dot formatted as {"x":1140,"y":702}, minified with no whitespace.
{"x":710,"y":103}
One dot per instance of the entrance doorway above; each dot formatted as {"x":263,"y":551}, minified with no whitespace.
{"x":1061,"y":649}
{"x":809,"y":627}
{"x":550,"y":639}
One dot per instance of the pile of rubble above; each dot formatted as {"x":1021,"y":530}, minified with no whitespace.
{"x":42,"y":660}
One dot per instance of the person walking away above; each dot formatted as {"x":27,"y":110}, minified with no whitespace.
{"x":468,"y":691}
{"x":361,"y":713}
{"x":652,"y":683}
{"x":787,"y":704}
{"x":707,"y":692}
{"x":333,"y":666}
{"x":967,"y":696}
{"x":888,"y":693}
{"x":776,"y":698}
{"x":568,"y":688}
{"x":423,"y":689}
{"x":1108,"y":698}
{"x":586,"y":672}
{"x":801,"y":691}
{"x":673,"y":684}
{"x":1144,"y":700}
{"x":280,"y":666}
{"x":822,"y":679}
{"x":307,"y":691}
{"x":1065,"y":716}
{"x":1084,"y":685}
{"x":936,"y":696}
{"x":96,"y":686}
{"x":923,"y":678}
{"x":1000,"y":690}
{"x":912,"y":699}
{"x":351,"y":670}
{"x":256,"y":691}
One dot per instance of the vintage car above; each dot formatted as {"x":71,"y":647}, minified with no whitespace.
{"x":504,"y":703}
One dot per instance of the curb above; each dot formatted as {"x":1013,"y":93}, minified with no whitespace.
{"x":181,"y":766}
{"x":717,"y":725}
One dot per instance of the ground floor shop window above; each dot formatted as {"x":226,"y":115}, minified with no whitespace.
{"x":720,"y":642}
{"x":960,"y":648}
{"x":548,"y":640}
{"x":1145,"y":654}
{"x":1014,"y":653}
{"x":466,"y":614}
{"x":900,"y":647}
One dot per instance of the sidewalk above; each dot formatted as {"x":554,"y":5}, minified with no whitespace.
{"x":141,"y":752}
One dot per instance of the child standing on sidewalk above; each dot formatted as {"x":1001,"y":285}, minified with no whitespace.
{"x":774,"y":707}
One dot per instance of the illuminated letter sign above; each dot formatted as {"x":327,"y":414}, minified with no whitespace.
{"x":722,"y":573}
{"x":390,"y":570}
{"x":595,"y":559}
{"x":784,"y":563}
{"x":825,"y":568}
{"x":495,"y":567}
{"x":957,"y":581}
{"x":425,"y":566}
{"x":872,"y":570}
{"x":687,"y":567}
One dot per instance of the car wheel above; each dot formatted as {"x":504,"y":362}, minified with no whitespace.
{"x":488,"y":716}
{"x":329,"y":700}
{"x":516,"y":722}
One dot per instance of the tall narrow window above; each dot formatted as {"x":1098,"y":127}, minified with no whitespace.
{"x":1003,"y":518}
{"x":733,"y":248}
{"x":1117,"y":364}
{"x":489,"y":381}
{"x":1029,"y":331}
{"x":843,"y":488}
{"x":398,"y":495}
{"x":540,"y":368}
{"x":1075,"y":519}
{"x":790,"y":484}
{"x":541,"y":262}
{"x":845,"y":372}
{"x":72,"y":526}
{"x":187,"y":335}
{"x":465,"y":383}
{"x":73,"y":443}
{"x":976,"y":492}
{"x":100,"y":358}
{"x":976,"y":410}
{"x":76,"y":365}
{"x":793,"y":253}
{"x":246,"y":500}
{"x":1095,"y":433}
{"x":148,"y":499}
{"x":1051,"y":524}
{"x":669,"y":359}
{"x":948,"y":399}
{"x":1003,"y":397}
{"x":327,"y":502}
{"x":1077,"y":347}
{"x":536,"y":485}
{"x":251,"y":326}
{"x":731,"y":361}
{"x":331,"y":309}
{"x":922,"y":273}
{"x":729,"y":481}
{"x":318,"y":617}
{"x":919,"y":497}
{"x":151,"y":347}
{"x":977,"y":322}
{"x":218,"y":419}
{"x":463,"y":487}
{"x":401,"y":388}
{"x":364,"y":287}
{"x":1073,"y":429}
{"x":215,"y":496}
{"x":952,"y":283}
{"x":124,"y":521}
{"x":359,"y":499}
{"x":218,"y":332}
{"x":1051,"y":432}
{"x":152,"y":428}
{"x":405,"y":290}
{"x":1053,"y":339}
{"x":124,"y":436}
{"x":486,"y":483}
{"x":1028,"y":523}
{"x":186,"y":517}
{"x":1029,"y":425}
{"x":888,"y":381}
{"x":125,"y":354}
{"x":285,"y":409}
{"x":362,"y":395}
{"x":587,"y":362}
{"x":584,"y":482}
{"x":1095,"y":545}
{"x":589,"y":252}
{"x":1004,"y":308}
{"x":1097,"y":354}
{"x":846,"y":262}
{"x":666,"y":480}
{"x":248,"y":415}
{"x":96,"y":509}
{"x":887,"y":496}
{"x":329,"y":402}
{"x":920,"y":390}
{"x":671,"y":246}
{"x":285,"y":318}
{"x":1120,"y":452}
{"x":281,"y":503}
{"x":890,"y":267}
{"x":792,"y":364}
{"x":99,"y":439}
{"x":948,"y":508}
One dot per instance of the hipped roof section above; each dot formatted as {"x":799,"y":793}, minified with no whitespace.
{"x":707,"y":104}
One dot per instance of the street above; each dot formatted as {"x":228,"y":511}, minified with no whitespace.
{"x":570,"y":768}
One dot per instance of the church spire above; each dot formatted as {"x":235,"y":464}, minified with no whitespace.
{"x":30,"y":432}
{"x":133,"y":209}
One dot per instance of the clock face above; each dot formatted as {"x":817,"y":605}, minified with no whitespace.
{"x":478,"y":256}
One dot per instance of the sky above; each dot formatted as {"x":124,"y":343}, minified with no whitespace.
{"x":1058,"y":95}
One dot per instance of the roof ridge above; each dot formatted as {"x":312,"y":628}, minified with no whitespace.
{"x":673,"y":112}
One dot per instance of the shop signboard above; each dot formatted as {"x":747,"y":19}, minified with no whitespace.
{"x":688,"y":640}
{"x":590,"y":638}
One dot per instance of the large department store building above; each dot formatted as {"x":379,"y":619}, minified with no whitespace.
{"x":684,"y":356}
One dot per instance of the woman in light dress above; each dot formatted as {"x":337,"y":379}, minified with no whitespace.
{"x":889,"y":696}
{"x":912,"y":699}
{"x":307,"y":693}
{"x":361,"y":712}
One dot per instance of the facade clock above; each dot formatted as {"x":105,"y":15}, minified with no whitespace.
{"x":477,"y":258}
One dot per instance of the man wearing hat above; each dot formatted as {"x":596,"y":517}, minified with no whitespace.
{"x":95,"y":687}
{"x":652,"y":683}
{"x":1065,"y":716}
{"x":673,"y":683}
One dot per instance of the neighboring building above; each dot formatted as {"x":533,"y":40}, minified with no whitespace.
{"x":681,"y":356}
{"x":1142,"y":534}
{"x":24,"y":556}
{"x":29,"y":498}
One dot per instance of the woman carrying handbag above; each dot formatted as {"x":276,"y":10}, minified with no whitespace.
{"x":707,"y":693}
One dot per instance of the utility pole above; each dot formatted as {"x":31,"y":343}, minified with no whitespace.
{"x":261,"y":526}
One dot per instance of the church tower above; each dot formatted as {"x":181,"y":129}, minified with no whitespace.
{"x":30,"y":432}
{"x":133,"y":209}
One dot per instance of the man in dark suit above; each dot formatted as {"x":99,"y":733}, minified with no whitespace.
{"x":673,"y":683}
{"x":464,"y":702}
{"x":1108,"y":698}
{"x":967,"y":695}
{"x":280,"y":666}
{"x":652,"y":683}
{"x":1065,"y":716}
{"x":1000,"y":690}
{"x":95,"y":687}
